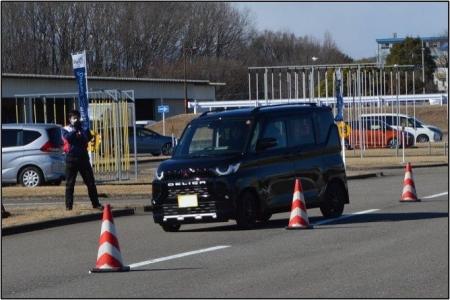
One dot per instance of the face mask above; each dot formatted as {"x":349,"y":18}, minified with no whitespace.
{"x":73,"y":121}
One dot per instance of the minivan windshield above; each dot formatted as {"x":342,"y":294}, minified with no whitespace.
{"x":214,"y":138}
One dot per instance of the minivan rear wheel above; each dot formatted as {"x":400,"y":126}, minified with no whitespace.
{"x":333,"y":206}
{"x":31,"y":177}
{"x":246,"y":211}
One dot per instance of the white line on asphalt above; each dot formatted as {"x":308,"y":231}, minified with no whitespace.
{"x":346,"y":216}
{"x":435,"y":195}
{"x":156,"y":260}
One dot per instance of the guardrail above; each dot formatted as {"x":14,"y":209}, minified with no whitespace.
{"x":438,"y":99}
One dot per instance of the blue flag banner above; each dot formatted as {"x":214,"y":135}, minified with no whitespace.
{"x":339,"y":99}
{"x":80,"y":71}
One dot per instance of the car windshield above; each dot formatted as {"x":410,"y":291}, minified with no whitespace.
{"x":214,"y":138}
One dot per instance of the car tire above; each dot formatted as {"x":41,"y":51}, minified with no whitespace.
{"x":31,"y":177}
{"x":392,"y":143}
{"x":166,"y":149}
{"x":171,"y":227}
{"x":264,"y":217}
{"x":422,"y":138}
{"x":246,"y":211}
{"x":334,"y":202}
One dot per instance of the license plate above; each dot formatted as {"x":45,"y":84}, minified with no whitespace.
{"x":187,"y":200}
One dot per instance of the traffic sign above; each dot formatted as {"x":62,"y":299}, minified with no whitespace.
{"x":163,"y":109}
{"x":344,"y":130}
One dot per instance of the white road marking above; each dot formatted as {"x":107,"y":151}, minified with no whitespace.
{"x":156,"y":260}
{"x":346,"y":216}
{"x":435,"y":195}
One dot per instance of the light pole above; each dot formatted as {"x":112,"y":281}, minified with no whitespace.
{"x":311,"y":77}
{"x":185,"y":49}
{"x":423,"y":67}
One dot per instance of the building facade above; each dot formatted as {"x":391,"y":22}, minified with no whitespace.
{"x":438,"y":46}
{"x":149,"y":93}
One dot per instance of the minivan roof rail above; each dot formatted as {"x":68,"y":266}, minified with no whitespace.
{"x":313,"y":104}
{"x":211,"y":111}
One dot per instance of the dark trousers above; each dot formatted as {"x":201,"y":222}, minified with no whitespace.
{"x":82,"y":165}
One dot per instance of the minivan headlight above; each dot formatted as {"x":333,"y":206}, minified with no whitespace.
{"x":227,"y":170}
{"x":159,"y":175}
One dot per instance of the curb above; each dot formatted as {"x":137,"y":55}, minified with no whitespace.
{"x":363,"y":176}
{"x":399,"y":167}
{"x":64,"y":221}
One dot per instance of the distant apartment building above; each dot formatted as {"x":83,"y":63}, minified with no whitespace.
{"x":438,"y":47}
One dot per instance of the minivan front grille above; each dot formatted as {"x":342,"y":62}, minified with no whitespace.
{"x":187,"y":189}
{"x":203,"y":207}
{"x":189,"y":173}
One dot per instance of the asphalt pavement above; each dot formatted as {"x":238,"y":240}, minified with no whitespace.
{"x":380,"y":248}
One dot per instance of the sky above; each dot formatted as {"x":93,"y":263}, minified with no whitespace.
{"x":353,"y":26}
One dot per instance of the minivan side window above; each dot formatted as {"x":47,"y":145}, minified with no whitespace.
{"x":276,"y":129}
{"x":301,"y":131}
{"x":11,"y":137}
{"x":30,"y":136}
{"x":324,"y":121}
{"x":389,"y":120}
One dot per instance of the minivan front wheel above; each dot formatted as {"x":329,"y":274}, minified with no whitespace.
{"x":166,"y":149}
{"x":170,"y":227}
{"x":246,"y":211}
{"x":333,"y":206}
{"x":422,"y":138}
{"x":31,"y":177}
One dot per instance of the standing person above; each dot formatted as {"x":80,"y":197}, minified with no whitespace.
{"x":77,"y":160}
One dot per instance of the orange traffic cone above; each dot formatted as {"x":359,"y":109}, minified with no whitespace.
{"x":109,"y":258}
{"x":299,"y":217}
{"x":409,"y":189}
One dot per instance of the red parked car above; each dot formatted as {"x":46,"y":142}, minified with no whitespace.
{"x":377,"y":134}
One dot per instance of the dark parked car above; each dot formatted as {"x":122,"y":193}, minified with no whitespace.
{"x":242,"y":165}
{"x":148,"y":141}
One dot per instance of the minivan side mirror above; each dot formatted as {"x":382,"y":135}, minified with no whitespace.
{"x":265,"y":143}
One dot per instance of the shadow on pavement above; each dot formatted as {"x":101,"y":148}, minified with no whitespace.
{"x":390,"y":217}
{"x":356,"y":219}
{"x":168,"y":269}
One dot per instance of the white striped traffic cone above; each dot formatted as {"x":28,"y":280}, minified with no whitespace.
{"x":409,"y":189}
{"x":299,"y":217}
{"x":109,"y":258}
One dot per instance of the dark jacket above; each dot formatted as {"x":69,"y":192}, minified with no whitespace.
{"x":77,"y":142}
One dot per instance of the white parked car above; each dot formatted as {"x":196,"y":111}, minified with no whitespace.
{"x":422,"y":132}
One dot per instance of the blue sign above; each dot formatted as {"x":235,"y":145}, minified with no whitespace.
{"x":79,"y":69}
{"x":163,"y":109}
{"x":339,"y":99}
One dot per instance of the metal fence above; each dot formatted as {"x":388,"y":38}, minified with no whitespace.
{"x":112,"y":116}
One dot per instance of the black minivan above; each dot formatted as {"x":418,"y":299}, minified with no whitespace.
{"x":242,"y":164}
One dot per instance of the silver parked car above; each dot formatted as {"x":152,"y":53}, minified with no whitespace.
{"x":32,"y":154}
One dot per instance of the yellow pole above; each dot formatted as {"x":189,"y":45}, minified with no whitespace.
{"x":24,"y":111}
{"x":34,"y":110}
{"x":17,"y":112}
{"x":54,"y":110}
{"x":65,"y":117}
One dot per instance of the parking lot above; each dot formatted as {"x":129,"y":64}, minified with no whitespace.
{"x":378,"y":248}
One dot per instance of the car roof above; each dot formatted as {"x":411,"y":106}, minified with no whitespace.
{"x":30,"y":125}
{"x":262,"y":110}
{"x":385,"y":114}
